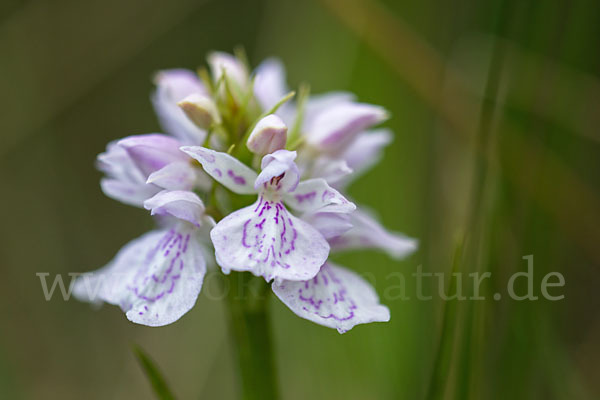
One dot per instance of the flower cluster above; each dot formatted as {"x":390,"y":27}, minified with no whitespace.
{"x":254,"y":176}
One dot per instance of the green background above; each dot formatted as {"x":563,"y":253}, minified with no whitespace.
{"x":495,"y":108}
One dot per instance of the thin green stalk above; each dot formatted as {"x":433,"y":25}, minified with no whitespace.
{"x":472,"y":344}
{"x":443,"y":358}
{"x":247,"y":301}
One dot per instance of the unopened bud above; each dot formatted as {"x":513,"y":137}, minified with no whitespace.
{"x":201,"y":110}
{"x":220,"y":62}
{"x":269,"y":135}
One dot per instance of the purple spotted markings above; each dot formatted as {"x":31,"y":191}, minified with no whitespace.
{"x":153,"y":282}
{"x":155,"y":279}
{"x":336,"y":297}
{"x":267,"y":240}
{"x":270,"y":248}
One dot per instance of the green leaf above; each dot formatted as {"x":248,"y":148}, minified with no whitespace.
{"x":159,"y":385}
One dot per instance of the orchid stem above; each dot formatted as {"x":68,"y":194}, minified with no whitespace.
{"x":247,"y":301}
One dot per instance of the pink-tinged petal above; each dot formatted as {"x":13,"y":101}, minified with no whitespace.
{"x":180,"y":175}
{"x":331,"y":169}
{"x":126,"y":192}
{"x":318,"y":104}
{"x":368,"y":233}
{"x":336,"y":127}
{"x":268,"y":241}
{"x":155,"y":279}
{"x":225,"y":169}
{"x":366,"y":150}
{"x":269,"y":83}
{"x":235,"y":70}
{"x":268,"y":136}
{"x":116,"y":163}
{"x":329,"y":224}
{"x":180,"y":204}
{"x":275,"y":165}
{"x":315,"y":195}
{"x":336,"y":298}
{"x":172,"y":86}
{"x":124,"y":181}
{"x":152,"y":152}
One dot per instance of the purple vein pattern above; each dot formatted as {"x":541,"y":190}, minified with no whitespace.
{"x":336,"y":297}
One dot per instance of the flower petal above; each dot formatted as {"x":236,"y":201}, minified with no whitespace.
{"x":124,"y":181}
{"x":336,"y":298}
{"x":181,"y":204}
{"x":153,"y":151}
{"x":155,"y":278}
{"x":318,"y":104}
{"x":269,"y":83}
{"x":116,"y":163}
{"x":225,"y":169}
{"x":334,"y":129}
{"x":368,"y":233}
{"x":172,"y":87}
{"x":365,"y":151}
{"x":268,"y":241}
{"x":179,"y":175}
{"x":276,"y":164}
{"x":329,"y":224}
{"x":333,"y":170}
{"x":316,"y":195}
{"x":129,"y":193}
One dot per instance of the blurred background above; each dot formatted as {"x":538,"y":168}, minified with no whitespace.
{"x":495,"y":107}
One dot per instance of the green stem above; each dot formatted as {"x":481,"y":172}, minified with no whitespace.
{"x":247,"y":301}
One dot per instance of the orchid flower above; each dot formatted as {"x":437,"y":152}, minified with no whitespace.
{"x":156,"y":278}
{"x":301,"y":213}
{"x":265,"y":238}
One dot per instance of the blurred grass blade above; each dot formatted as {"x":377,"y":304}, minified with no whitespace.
{"x":159,"y":385}
{"x":441,"y":366}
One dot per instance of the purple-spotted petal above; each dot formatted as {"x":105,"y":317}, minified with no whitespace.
{"x":268,"y":241}
{"x":336,"y":298}
{"x":335,"y":128}
{"x":273,"y":166}
{"x":152,"y":152}
{"x":315,"y":195}
{"x":172,"y":86}
{"x":180,"y":204}
{"x":269,"y":83}
{"x":225,"y":169}
{"x":155,"y":278}
{"x":368,"y":233}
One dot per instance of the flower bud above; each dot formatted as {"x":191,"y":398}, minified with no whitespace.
{"x":234,"y":68}
{"x":201,"y":110}
{"x":269,"y":135}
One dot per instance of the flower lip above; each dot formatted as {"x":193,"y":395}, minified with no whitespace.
{"x":279,"y":164}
